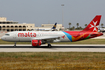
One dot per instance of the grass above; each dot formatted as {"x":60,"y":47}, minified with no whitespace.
{"x":88,"y":41}
{"x":52,"y":61}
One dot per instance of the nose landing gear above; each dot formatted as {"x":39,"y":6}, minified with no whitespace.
{"x":15,"y":44}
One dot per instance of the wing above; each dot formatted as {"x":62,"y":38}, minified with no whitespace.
{"x":46,"y":37}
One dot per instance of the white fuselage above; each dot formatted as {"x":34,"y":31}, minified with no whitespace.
{"x":28,"y":36}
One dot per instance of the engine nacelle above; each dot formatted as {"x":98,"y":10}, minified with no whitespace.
{"x":36,"y":42}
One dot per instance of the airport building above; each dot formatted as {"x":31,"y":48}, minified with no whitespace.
{"x":47,"y":27}
{"x":13,"y":26}
{"x":9,"y":26}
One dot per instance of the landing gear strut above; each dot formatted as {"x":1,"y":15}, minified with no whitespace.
{"x":15,"y":44}
{"x":49,"y":45}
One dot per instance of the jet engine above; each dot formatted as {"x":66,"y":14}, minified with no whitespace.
{"x":36,"y":42}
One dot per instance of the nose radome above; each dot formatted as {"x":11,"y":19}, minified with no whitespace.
{"x":2,"y":37}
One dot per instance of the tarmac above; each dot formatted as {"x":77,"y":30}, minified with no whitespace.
{"x":55,"y":48}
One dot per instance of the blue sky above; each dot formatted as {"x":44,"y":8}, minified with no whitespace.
{"x":50,"y":11}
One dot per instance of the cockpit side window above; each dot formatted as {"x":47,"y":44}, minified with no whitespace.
{"x":7,"y":34}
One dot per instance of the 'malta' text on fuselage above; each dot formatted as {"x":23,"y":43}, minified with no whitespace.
{"x":29,"y":34}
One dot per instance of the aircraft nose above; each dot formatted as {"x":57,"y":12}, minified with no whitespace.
{"x":2,"y":37}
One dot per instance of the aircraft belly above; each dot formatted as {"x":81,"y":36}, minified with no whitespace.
{"x":25,"y":39}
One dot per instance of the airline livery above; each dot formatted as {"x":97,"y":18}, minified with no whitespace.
{"x":54,"y":27}
{"x":42,"y":37}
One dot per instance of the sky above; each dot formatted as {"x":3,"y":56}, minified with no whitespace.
{"x":50,"y":11}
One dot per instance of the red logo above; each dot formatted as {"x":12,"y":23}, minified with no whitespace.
{"x":29,"y":34}
{"x":63,"y":36}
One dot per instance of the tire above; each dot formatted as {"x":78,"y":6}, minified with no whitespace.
{"x":49,"y":45}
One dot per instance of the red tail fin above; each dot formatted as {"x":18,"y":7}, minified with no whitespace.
{"x":93,"y":25}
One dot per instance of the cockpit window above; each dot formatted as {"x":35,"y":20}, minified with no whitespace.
{"x":7,"y":34}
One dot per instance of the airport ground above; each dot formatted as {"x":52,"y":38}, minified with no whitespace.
{"x":52,"y":61}
{"x":81,"y":55}
{"x":59,"y":57}
{"x":89,"y":45}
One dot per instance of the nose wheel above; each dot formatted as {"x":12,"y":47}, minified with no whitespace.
{"x":15,"y":44}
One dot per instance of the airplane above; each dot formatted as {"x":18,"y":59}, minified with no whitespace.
{"x":49,"y":29}
{"x":42,"y":37}
{"x":101,"y":30}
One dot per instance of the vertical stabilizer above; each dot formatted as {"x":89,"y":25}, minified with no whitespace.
{"x":54,"y":27}
{"x":93,"y":25}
